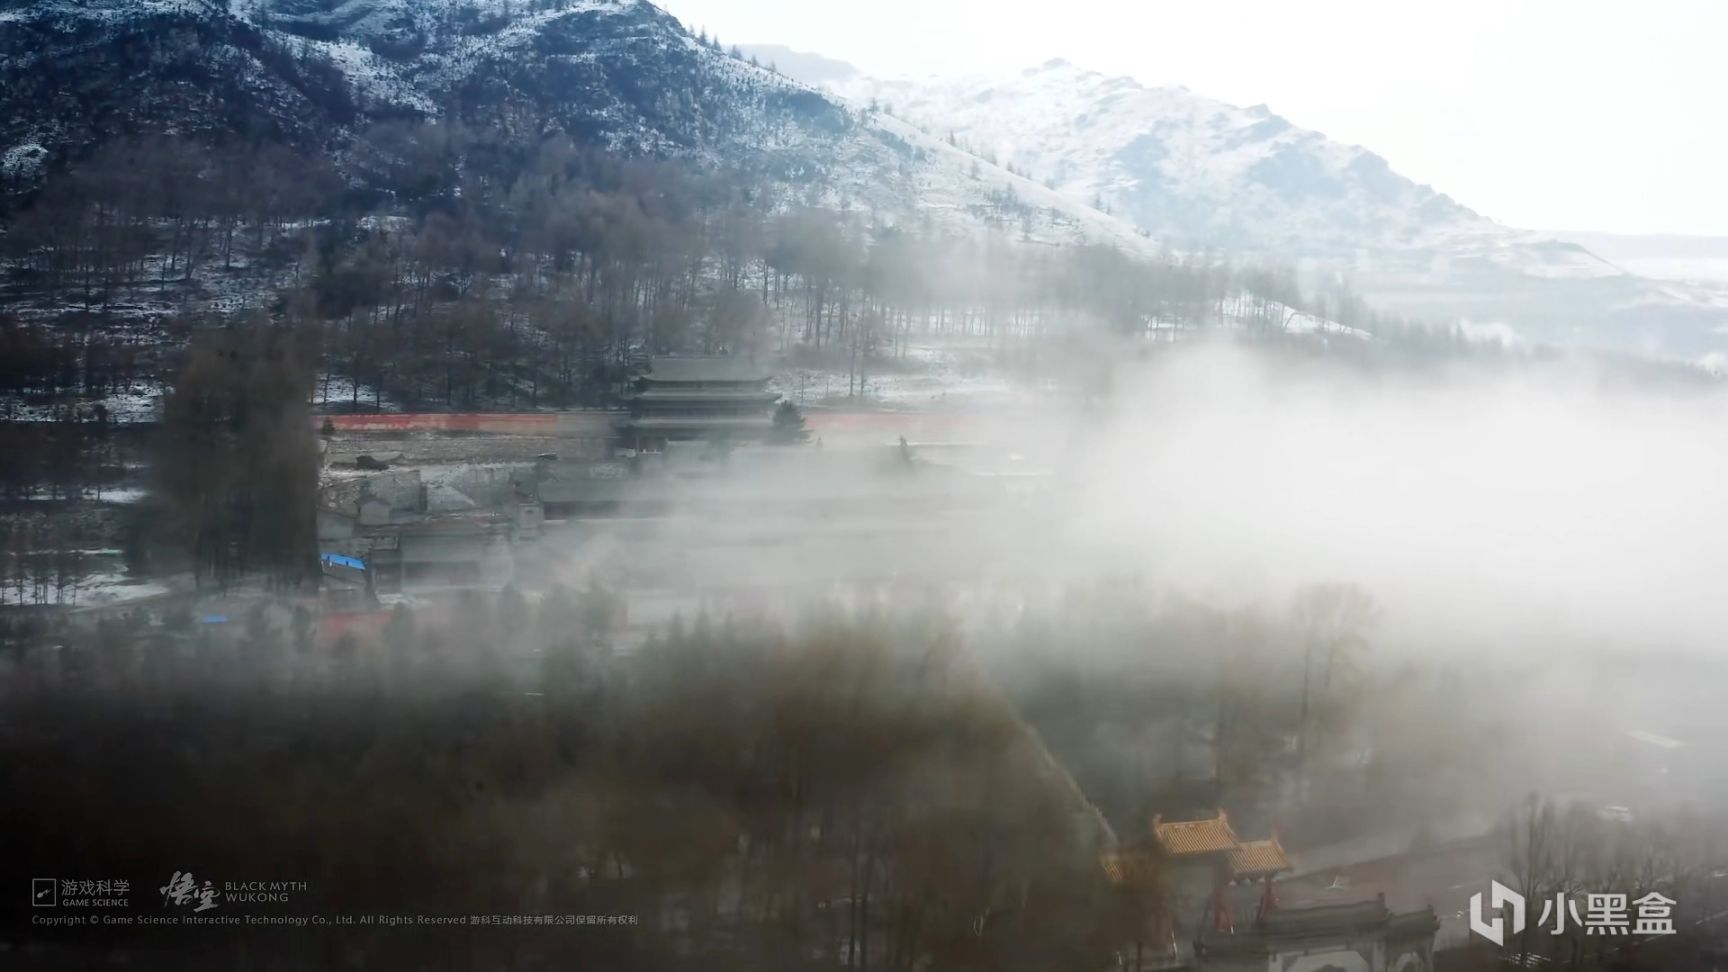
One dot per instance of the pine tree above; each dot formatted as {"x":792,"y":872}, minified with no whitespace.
{"x":788,"y":425}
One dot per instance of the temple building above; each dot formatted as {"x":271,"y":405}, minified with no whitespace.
{"x":1206,"y":857}
{"x":699,"y":398}
{"x":1197,"y":861}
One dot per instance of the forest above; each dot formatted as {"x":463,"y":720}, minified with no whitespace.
{"x":446,"y":269}
{"x":891,"y":786}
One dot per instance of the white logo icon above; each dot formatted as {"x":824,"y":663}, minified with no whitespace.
{"x":183,"y":889}
{"x":1499,"y":896}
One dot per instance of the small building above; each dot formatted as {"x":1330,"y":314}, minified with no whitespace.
{"x":700,"y":398}
{"x":448,"y":551}
{"x":345,"y":583}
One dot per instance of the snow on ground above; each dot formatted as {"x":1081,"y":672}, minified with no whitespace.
{"x":376,"y":78}
{"x":1532,"y":255}
{"x":22,"y":161}
{"x":1492,"y":332}
{"x":106,"y":583}
{"x":953,"y":186}
{"x":337,"y":392}
{"x":117,"y":588}
{"x":140,"y":402}
{"x":1302,"y":323}
{"x":1684,"y":269}
{"x":933,"y":375}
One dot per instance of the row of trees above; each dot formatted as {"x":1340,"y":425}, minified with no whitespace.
{"x":147,"y":215}
{"x":1559,"y":852}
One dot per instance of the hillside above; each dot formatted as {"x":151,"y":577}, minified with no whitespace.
{"x":1197,"y":174}
{"x":1193,"y":170}
{"x":620,"y":75}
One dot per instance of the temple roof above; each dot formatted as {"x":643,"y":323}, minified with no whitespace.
{"x":1184,"y":837}
{"x":1258,"y":857}
{"x":1197,"y":838}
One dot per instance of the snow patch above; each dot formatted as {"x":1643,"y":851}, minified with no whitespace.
{"x":23,"y":161}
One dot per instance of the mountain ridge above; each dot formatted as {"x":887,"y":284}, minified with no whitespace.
{"x":1054,"y":155}
{"x":1199,"y":174}
{"x":623,"y":75}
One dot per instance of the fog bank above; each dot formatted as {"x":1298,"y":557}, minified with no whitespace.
{"x":1484,"y":509}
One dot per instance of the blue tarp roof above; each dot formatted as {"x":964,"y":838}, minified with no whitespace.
{"x":342,"y":560}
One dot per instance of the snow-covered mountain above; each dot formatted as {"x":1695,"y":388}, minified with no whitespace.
{"x":1055,"y":154}
{"x":1194,"y":170}
{"x":620,"y":74}
{"x":1198,"y":173}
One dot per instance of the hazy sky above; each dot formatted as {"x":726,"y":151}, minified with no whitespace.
{"x":1552,"y":114}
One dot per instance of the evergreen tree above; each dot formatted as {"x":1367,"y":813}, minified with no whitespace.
{"x":788,"y":425}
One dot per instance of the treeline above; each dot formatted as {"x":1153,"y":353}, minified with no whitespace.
{"x":70,"y":457}
{"x":145,"y":214}
{"x":842,"y":794}
{"x":451,"y":268}
{"x":234,"y":470}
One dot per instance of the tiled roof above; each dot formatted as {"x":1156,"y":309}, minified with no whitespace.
{"x":1258,"y":857}
{"x":1196,"y":836}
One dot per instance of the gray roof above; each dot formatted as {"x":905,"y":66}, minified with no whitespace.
{"x":676,"y":395}
{"x":702,"y":423}
{"x":1285,"y":926}
{"x":706,"y":368}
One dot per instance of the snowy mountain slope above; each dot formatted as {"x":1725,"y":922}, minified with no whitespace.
{"x":1689,"y":259}
{"x":809,"y":68}
{"x":1190,"y":169}
{"x":620,"y":74}
{"x":949,"y":183}
{"x":1171,"y":166}
{"x":1198,"y":173}
{"x":617,"y":73}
